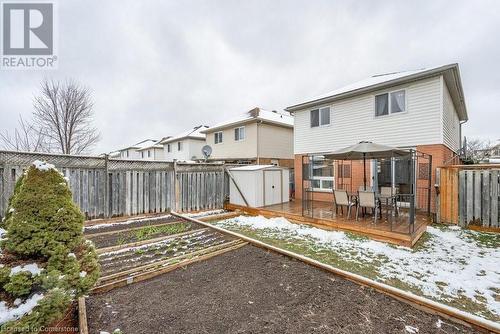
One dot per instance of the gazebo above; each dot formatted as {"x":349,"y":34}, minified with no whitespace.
{"x":405,"y":170}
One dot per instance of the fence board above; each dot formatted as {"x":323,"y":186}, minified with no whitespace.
{"x":104,"y":187}
{"x":485,"y":199}
{"x":477,"y":195}
{"x":494,"y":198}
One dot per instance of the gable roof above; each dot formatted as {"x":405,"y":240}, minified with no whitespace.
{"x":140,"y":145}
{"x":256,"y":114}
{"x":450,"y":72}
{"x":194,"y":133}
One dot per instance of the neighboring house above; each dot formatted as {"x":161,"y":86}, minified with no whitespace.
{"x":257,"y":136}
{"x":153,"y":151}
{"x":185,"y":146}
{"x":133,"y":152}
{"x":422,"y":110}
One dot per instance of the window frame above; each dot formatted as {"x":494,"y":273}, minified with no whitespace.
{"x":179,"y":146}
{"x":389,"y":103}
{"x":169,"y":148}
{"x":221,"y":137}
{"x":239,"y":133}
{"x":323,"y":179}
{"x":320,"y":119}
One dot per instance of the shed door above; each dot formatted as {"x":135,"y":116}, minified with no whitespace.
{"x":272,"y":187}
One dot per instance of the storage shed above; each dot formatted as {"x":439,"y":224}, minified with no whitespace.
{"x":261,"y":185}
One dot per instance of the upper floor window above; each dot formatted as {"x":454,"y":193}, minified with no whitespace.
{"x":320,"y":117}
{"x":179,"y":146}
{"x":218,"y":137}
{"x":142,"y":154}
{"x":169,"y":148}
{"x":149,"y":154}
{"x":239,"y":133}
{"x":390,"y":103}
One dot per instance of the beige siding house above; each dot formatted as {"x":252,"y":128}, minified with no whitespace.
{"x":258,"y":136}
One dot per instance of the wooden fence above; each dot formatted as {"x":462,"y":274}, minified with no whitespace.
{"x":105,"y":187}
{"x":469,"y":195}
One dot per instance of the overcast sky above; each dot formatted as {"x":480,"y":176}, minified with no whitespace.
{"x":157,"y":68}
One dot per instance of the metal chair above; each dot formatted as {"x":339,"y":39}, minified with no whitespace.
{"x":367,"y":199}
{"x":341,"y":199}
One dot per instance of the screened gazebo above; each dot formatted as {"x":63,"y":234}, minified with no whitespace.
{"x":402,"y":176}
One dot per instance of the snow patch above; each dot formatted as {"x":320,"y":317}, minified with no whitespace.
{"x":83,"y":274}
{"x":451,"y":263}
{"x":72,"y":255}
{"x":43,"y":165}
{"x":8,"y":314}
{"x":32,"y":268}
{"x":131,"y":221}
{"x":411,"y":329}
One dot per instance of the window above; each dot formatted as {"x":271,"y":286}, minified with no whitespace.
{"x":149,"y":154}
{"x":169,"y":149}
{"x":320,"y":117}
{"x":142,"y":154}
{"x":239,"y":133}
{"x":127,"y":153}
{"x":218,"y":137}
{"x":322,"y":173}
{"x":179,"y":146}
{"x":390,"y":103}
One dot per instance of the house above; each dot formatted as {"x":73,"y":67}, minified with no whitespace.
{"x":134,"y":152}
{"x":421,"y":110}
{"x":257,"y":136}
{"x":185,"y":146}
{"x":153,"y":151}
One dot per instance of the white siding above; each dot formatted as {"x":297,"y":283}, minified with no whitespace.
{"x":191,"y":148}
{"x":451,"y":123}
{"x":353,"y":120}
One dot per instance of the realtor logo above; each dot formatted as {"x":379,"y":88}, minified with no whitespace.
{"x":28,"y":35}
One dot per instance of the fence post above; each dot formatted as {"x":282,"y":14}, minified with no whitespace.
{"x":106,"y":186}
{"x":176,"y":188}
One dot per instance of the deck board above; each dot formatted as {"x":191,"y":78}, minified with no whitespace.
{"x":324,"y":217}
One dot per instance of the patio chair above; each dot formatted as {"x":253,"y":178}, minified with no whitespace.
{"x":362,"y":188}
{"x":367,"y":199}
{"x":341,"y":199}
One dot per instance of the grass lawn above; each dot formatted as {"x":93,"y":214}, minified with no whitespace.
{"x":460,"y":268}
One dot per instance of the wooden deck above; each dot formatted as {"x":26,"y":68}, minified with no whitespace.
{"x":324,"y":217}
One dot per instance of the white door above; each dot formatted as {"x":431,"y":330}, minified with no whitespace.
{"x":272,"y":187}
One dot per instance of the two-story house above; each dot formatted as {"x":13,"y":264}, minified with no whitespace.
{"x":153,"y":151}
{"x":185,"y":146}
{"x":133,"y":152}
{"x":421,"y":110}
{"x":257,"y":136}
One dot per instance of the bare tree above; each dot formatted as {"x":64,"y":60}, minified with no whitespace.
{"x":26,"y":137}
{"x":478,"y":150}
{"x":64,"y":113}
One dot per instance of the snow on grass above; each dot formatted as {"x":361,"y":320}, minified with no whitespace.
{"x":130,"y":221}
{"x":32,"y":268}
{"x":12,"y":313}
{"x":204,"y":213}
{"x":451,"y":263}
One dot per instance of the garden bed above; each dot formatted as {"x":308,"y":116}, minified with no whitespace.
{"x":128,"y":234}
{"x":449,"y":265}
{"x":252,"y":290}
{"x":131,"y":257}
{"x":113,"y":225}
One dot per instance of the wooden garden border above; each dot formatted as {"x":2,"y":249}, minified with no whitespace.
{"x":418,"y":302}
{"x":82,"y":316}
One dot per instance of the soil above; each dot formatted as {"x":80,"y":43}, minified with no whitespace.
{"x":124,"y":236}
{"x":68,"y":324}
{"x":131,"y":223}
{"x":250,"y":290}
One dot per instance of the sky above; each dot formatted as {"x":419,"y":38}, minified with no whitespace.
{"x":158,"y":68}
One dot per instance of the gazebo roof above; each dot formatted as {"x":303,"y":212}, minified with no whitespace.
{"x":366,"y":150}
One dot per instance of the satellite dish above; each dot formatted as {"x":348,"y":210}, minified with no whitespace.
{"x":206,"y":150}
